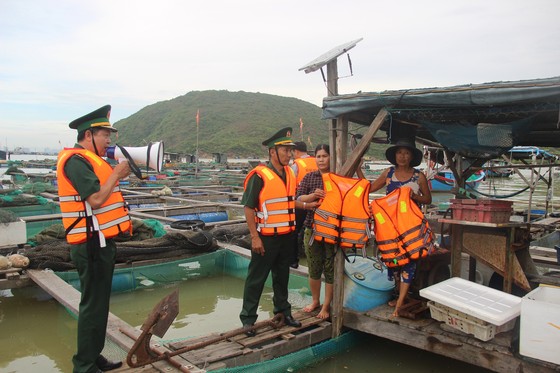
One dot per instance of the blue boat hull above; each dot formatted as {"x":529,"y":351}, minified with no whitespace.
{"x":445,"y":182}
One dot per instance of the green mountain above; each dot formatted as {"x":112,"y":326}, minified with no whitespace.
{"x":233,"y":123}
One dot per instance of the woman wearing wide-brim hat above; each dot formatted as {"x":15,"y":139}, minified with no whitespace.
{"x":404,"y":156}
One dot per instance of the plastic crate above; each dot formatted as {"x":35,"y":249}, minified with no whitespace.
{"x":482,"y":210}
{"x":482,"y":201}
{"x":466,"y":323}
{"x":471,"y":307}
{"x":539,"y":336}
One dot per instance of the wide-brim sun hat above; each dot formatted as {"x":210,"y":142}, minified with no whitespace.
{"x":391,"y":152}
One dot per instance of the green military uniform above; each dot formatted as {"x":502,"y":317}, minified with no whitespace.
{"x":95,"y":264}
{"x":96,"y":275}
{"x":276,"y":259}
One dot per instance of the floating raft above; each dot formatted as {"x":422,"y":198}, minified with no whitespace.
{"x":269,"y":343}
{"x":13,"y":278}
{"x":497,"y":354}
{"x":236,"y":351}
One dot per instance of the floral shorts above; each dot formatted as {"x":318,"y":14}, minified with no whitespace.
{"x":405,"y":272}
{"x":320,"y":258}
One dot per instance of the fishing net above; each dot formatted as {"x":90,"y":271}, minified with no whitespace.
{"x":38,"y":188}
{"x":16,"y":175}
{"x":52,"y":233}
{"x":236,"y":234}
{"x":155,"y":226}
{"x":54,"y":252}
{"x":173,"y":244}
{"x":113,"y":352}
{"x":13,"y":200}
{"x":13,"y":170}
{"x":7,"y":216}
{"x":479,"y":140}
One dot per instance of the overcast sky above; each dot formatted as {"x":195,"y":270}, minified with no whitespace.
{"x":60,"y":59}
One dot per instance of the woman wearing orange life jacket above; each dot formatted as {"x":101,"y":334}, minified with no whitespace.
{"x":404,"y":156}
{"x":320,"y":255}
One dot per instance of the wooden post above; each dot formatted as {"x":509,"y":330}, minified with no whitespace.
{"x":341,"y":142}
{"x":332,"y":143}
{"x":456,"y":249}
{"x":350,"y":166}
{"x":337,"y":312}
{"x":348,"y":169}
{"x":508,"y":265}
{"x":549,"y":192}
{"x":332,"y":90}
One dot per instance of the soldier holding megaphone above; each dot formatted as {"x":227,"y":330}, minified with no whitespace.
{"x":93,"y":212}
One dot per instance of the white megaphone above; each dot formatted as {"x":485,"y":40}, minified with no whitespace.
{"x":150,"y":155}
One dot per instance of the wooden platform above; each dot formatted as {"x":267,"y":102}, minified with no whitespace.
{"x":544,"y":256}
{"x":13,"y":278}
{"x":431,"y":335}
{"x":268,"y":344}
{"x":236,"y":351}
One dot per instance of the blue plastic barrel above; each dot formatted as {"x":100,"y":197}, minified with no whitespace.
{"x":365,"y":285}
{"x":123,"y":281}
{"x":206,"y":217}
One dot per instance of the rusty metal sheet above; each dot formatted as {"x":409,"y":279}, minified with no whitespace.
{"x":162,"y":315}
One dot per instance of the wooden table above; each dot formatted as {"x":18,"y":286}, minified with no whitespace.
{"x":507,"y":230}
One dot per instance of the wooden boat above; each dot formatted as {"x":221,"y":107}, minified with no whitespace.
{"x":531,"y":152}
{"x":495,"y":169}
{"x":444,"y":181}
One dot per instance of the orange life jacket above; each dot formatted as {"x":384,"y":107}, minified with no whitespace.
{"x":402,"y":232}
{"x":343,"y":217}
{"x":305,"y":166}
{"x":78,"y":217}
{"x":275,"y":213}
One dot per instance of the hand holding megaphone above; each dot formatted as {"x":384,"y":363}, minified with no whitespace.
{"x":151,"y":156}
{"x":122,"y":169}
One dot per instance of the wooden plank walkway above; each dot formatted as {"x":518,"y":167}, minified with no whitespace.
{"x":239,"y":350}
{"x":431,"y":335}
{"x":544,"y":256}
{"x":13,"y":278}
{"x":269,"y":343}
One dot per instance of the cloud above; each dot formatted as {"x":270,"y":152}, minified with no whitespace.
{"x":62,"y":61}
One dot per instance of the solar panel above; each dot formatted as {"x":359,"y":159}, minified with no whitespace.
{"x":325,"y":58}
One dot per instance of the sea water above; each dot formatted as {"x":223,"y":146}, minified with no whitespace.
{"x":39,"y":335}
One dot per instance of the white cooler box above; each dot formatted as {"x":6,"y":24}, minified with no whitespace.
{"x":14,"y":233}
{"x":472,"y":308}
{"x":539,"y":333}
